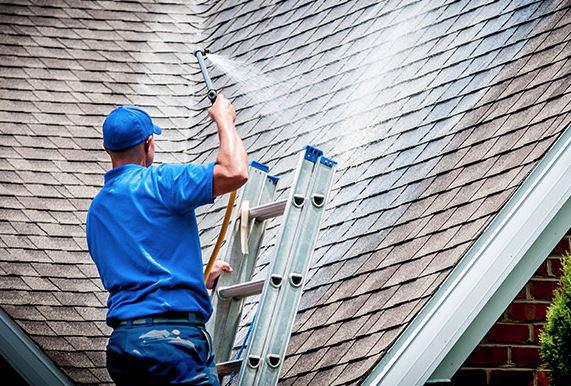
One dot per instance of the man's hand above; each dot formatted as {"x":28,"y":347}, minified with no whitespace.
{"x":223,"y":113}
{"x":231,"y":169}
{"x":217,"y":269}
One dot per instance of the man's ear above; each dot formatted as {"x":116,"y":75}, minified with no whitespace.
{"x":148,"y":142}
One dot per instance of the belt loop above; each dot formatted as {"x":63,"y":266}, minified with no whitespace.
{"x":195,"y":318}
{"x":129,"y":323}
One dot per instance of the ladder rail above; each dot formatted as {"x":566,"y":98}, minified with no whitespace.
{"x":280,"y":333}
{"x":264,"y":356}
{"x":286,"y":238}
{"x":224,"y":322}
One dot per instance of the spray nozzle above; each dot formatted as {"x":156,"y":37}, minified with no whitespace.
{"x":200,"y":55}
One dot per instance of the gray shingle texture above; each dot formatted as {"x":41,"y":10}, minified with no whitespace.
{"x":436,"y":110}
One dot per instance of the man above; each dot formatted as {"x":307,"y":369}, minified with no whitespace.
{"x":143,"y":236}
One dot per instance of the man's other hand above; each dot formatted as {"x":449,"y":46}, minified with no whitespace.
{"x":223,"y":113}
{"x":217,"y":269}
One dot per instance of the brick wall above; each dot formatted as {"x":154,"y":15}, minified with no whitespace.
{"x":509,"y":354}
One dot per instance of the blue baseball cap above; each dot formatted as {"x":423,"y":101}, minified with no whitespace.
{"x":127,"y":126}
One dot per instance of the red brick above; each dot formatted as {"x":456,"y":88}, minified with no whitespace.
{"x":488,"y":356}
{"x":556,"y":267}
{"x":522,"y":294}
{"x":542,"y":378}
{"x":510,"y":377}
{"x":542,"y":270}
{"x":537,"y":332}
{"x":543,"y":289}
{"x":527,"y":312}
{"x":509,"y":333}
{"x":562,"y":247}
{"x":469,"y":377}
{"x":526,"y":357}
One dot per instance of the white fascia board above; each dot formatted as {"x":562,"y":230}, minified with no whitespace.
{"x":442,"y":322}
{"x":25,"y":356}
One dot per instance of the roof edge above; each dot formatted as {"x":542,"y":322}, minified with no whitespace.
{"x":539,"y":202}
{"x":26,"y":357}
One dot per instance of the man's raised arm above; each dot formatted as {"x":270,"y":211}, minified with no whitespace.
{"x":231,"y":169}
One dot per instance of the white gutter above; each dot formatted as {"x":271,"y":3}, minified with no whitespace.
{"x":535,"y":218}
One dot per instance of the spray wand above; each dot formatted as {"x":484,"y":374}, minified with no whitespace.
{"x":200,"y":56}
{"x":212,"y":94}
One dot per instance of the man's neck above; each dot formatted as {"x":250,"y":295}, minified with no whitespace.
{"x":117,"y":163}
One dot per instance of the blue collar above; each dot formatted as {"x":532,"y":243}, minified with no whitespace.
{"x":109,"y":175}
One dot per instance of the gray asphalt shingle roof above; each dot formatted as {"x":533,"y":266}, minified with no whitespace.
{"x":436,"y":111}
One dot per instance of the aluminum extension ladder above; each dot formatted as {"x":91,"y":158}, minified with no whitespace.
{"x":281,"y":290}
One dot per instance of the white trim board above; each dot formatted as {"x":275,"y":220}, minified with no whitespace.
{"x":531,"y":222}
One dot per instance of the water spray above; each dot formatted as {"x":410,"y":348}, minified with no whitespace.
{"x":200,"y":55}
{"x":212,"y":94}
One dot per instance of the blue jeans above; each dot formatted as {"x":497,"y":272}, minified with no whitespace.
{"x":161,"y":354}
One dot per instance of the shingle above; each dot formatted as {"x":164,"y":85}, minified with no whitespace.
{"x":84,"y":343}
{"x":376,"y":301}
{"x":54,"y":243}
{"x":333,"y":353}
{"x":98,"y":357}
{"x":345,"y":331}
{"x":23,"y":313}
{"x":321,"y":315}
{"x":349,"y":267}
{"x":348,"y":308}
{"x":53,"y":343}
{"x":67,"y":257}
{"x":325,"y":275}
{"x":407,"y":271}
{"x":308,"y":361}
{"x":82,"y":375}
{"x":14,"y":283}
{"x":101,"y":374}
{"x":355,"y":371}
{"x":36,"y":327}
{"x":59,"y":313}
{"x":393,"y":317}
{"x":39,"y":283}
{"x":360,"y":347}
{"x":17,"y":268}
{"x":29,"y":255}
{"x":70,"y":359}
{"x":388,"y":337}
{"x":77,"y":285}
{"x":297,"y":340}
{"x":445,"y":259}
{"x":74,"y":328}
{"x":404,"y":292}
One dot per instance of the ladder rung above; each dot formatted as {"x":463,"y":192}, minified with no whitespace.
{"x":226,"y":368}
{"x":242,"y":290}
{"x":266,"y":211}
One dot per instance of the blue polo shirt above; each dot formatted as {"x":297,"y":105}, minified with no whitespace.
{"x":143,"y":237}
